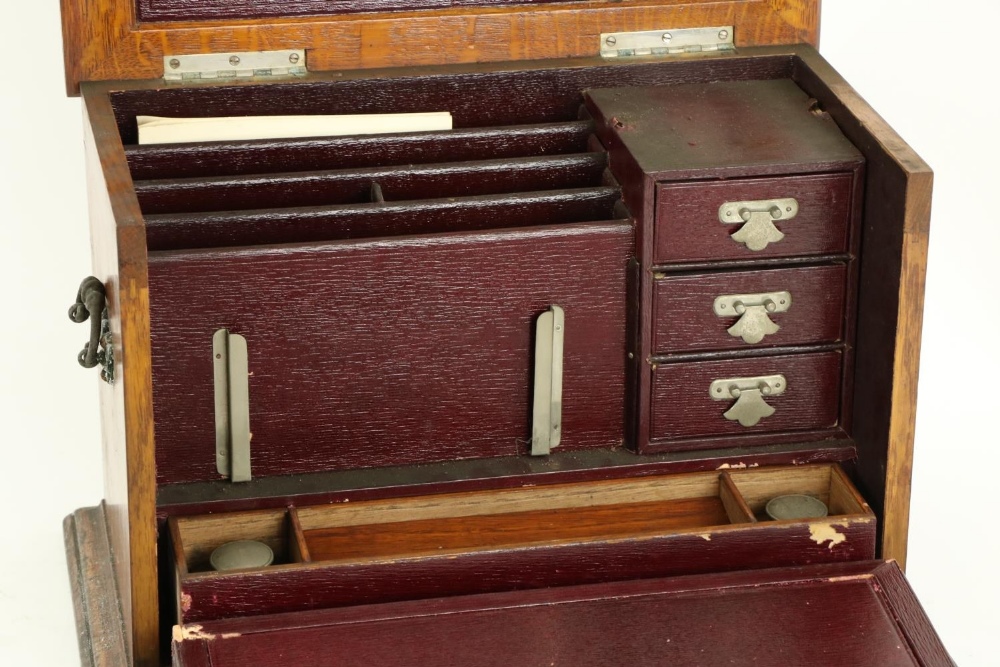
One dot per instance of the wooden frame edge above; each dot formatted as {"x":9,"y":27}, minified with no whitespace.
{"x":917,"y":179}
{"x":119,"y":257}
{"x":103,"y":40}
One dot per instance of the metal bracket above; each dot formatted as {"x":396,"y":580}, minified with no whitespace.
{"x":546,"y":422}
{"x":757,"y":218}
{"x":91,"y":304}
{"x":232,"y":405}
{"x":666,"y":42}
{"x":749,"y":393}
{"x":235,"y":65}
{"x":753,"y":310}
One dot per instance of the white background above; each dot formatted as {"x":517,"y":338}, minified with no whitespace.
{"x":932,"y":75}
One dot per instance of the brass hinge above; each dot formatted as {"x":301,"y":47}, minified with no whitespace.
{"x":666,"y":42}
{"x":235,"y":65}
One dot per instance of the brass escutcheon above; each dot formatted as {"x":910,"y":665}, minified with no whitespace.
{"x":750,"y":406}
{"x":754,"y":311}
{"x":757,"y":217}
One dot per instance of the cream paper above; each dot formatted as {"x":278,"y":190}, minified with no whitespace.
{"x":159,"y":130}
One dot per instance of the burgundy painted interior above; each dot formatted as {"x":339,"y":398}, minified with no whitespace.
{"x":192,"y":10}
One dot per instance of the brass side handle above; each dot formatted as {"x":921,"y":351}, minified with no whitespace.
{"x":91,"y":305}
{"x":750,"y":406}
{"x":758,"y":217}
{"x":754,"y":311}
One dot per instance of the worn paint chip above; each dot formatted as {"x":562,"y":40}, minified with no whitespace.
{"x":191,"y":632}
{"x":826,"y":532}
{"x":853,"y":577}
{"x":706,"y":536}
{"x":737,"y":466}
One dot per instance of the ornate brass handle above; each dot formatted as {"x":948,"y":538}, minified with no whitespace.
{"x":757,"y":218}
{"x":753,"y":310}
{"x":749,"y":393}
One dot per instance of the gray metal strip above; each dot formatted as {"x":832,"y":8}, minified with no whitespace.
{"x":239,"y":409}
{"x":546,"y":421}
{"x":220,"y":360}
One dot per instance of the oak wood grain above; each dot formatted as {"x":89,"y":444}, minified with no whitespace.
{"x":891,"y":295}
{"x":407,"y":539}
{"x":104,"y":39}
{"x":100,"y":628}
{"x":736,"y":505}
{"x":119,"y":259}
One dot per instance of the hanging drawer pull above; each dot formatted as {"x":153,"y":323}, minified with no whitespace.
{"x":749,"y":393}
{"x":753,"y":310}
{"x":91,"y":304}
{"x":757,"y":218}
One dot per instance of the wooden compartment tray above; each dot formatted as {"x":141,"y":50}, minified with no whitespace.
{"x":486,"y":541}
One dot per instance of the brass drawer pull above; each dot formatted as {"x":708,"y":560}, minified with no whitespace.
{"x":749,"y":393}
{"x":757,"y":218}
{"x":753,"y":310}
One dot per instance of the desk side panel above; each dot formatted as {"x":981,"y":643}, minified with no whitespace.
{"x":890,"y":307}
{"x":119,"y":261}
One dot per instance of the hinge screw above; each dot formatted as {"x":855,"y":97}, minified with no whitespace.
{"x":234,"y":60}
{"x":723,"y":34}
{"x":294,"y":58}
{"x":611,"y":41}
{"x":667,"y":37}
{"x":174,"y":63}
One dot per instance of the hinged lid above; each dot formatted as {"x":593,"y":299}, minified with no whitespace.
{"x":128,"y":39}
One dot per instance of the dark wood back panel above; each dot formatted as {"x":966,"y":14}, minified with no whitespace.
{"x":194,"y":10}
{"x":389,"y":352}
{"x":475,"y":99}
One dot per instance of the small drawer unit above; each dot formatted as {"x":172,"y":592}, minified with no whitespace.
{"x":746,"y":274}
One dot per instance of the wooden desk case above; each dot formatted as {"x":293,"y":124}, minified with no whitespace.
{"x":726,"y":242}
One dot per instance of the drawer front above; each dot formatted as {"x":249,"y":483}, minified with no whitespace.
{"x":809,"y":400}
{"x":689,"y":228}
{"x":741,"y":309}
